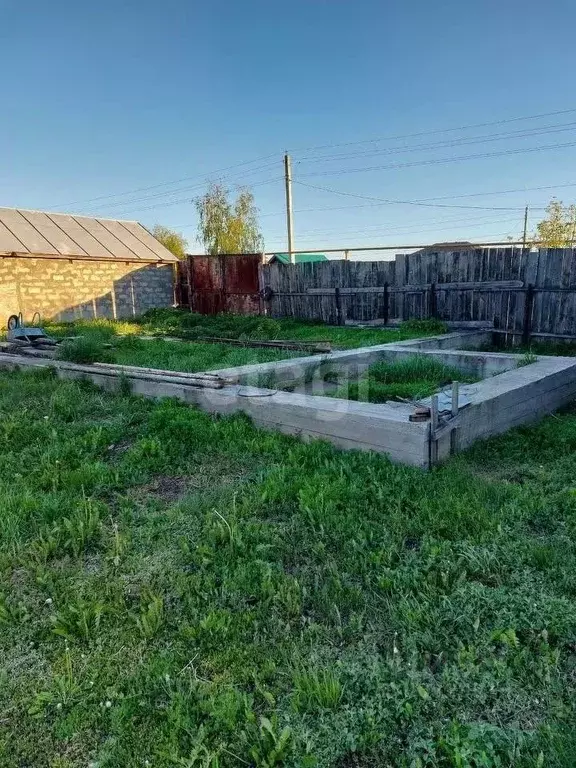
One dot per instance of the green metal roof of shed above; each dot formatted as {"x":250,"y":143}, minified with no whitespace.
{"x":299,"y":258}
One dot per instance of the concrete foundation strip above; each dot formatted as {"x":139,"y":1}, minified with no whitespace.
{"x":507,"y":396}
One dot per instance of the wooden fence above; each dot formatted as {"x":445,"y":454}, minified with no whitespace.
{"x":522,"y":292}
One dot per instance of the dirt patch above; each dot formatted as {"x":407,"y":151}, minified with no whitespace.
{"x":119,"y":448}
{"x":166,"y":488}
{"x":171,"y":488}
{"x":19,"y":577}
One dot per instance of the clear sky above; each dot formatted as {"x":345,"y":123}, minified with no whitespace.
{"x":103,"y":98}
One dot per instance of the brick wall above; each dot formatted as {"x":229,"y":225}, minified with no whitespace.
{"x":66,"y":290}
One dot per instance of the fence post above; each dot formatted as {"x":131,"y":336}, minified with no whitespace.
{"x":528,"y":304}
{"x":177,"y":284}
{"x":190,"y":276}
{"x":432,"y":301}
{"x":386,"y":303}
{"x":223,"y":288}
{"x":337,"y":297}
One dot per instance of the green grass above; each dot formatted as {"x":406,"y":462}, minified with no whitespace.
{"x":189,"y":325}
{"x":177,"y":356}
{"x":84,"y":349}
{"x":117,"y":342}
{"x":412,"y":379}
{"x":108,"y":342}
{"x":178,"y":590}
{"x":561,"y":348}
{"x":549,"y":347}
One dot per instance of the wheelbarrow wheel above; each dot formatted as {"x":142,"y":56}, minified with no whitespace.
{"x":13,"y":322}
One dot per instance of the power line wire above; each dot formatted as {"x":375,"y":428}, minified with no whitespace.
{"x":424,"y":204}
{"x":443,"y":160}
{"x":405,"y":228}
{"x":446,"y":143}
{"x":176,"y":191}
{"x":436,"y":131}
{"x":429,"y":199}
{"x":185,"y":200}
{"x":168,"y":183}
{"x":265,"y":157}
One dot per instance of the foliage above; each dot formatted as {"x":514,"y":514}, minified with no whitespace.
{"x":415,"y":378}
{"x":425,"y":327}
{"x":527,"y":359}
{"x":125,"y":348}
{"x":227,"y":226}
{"x":174,"y":241}
{"x":558,"y":229}
{"x":84,"y":349}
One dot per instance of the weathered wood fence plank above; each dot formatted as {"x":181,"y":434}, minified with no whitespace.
{"x":486,"y":284}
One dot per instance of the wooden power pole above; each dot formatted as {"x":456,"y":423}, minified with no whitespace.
{"x":525,"y":235}
{"x":289,"y":222}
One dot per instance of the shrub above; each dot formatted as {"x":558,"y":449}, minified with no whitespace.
{"x":84,"y":350}
{"x":425,"y":326}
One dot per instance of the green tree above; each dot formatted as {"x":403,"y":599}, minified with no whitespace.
{"x":228,"y":226}
{"x":174,"y":241}
{"x":558,"y":228}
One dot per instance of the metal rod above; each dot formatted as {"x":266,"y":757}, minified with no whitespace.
{"x":410,"y":246}
{"x":429,"y":247}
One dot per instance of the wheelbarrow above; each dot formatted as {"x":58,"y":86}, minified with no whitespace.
{"x":28,"y":335}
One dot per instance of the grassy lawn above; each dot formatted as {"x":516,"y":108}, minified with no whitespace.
{"x":178,"y":590}
{"x":127,"y":349}
{"x":411,"y":379}
{"x":542,"y":347}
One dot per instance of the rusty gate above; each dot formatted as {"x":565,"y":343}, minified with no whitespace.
{"x":223,"y":283}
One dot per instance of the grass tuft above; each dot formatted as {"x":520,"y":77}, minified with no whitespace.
{"x":411,"y":379}
{"x":85,"y":349}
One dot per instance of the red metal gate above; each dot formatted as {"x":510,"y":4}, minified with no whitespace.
{"x":224,"y":283}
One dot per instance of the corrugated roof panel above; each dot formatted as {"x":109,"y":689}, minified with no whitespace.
{"x":116,"y":248}
{"x":81,"y":236}
{"x":38,"y":233}
{"x":148,"y":239}
{"x":54,"y":234}
{"x":25,"y":232}
{"x":119,"y":230}
{"x":8,"y":242}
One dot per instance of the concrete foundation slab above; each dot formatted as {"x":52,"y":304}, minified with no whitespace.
{"x":513,"y":391}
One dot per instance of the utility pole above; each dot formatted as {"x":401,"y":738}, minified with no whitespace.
{"x":289,"y":224}
{"x":525,"y":235}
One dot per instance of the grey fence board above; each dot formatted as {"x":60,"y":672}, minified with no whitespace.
{"x":487,"y":284}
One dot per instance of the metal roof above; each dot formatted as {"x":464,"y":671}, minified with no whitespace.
{"x":47,"y":235}
{"x":299,"y":258}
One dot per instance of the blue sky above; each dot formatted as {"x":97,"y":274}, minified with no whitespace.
{"x":105,"y":98}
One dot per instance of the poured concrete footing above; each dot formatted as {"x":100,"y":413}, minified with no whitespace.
{"x":515,"y":391}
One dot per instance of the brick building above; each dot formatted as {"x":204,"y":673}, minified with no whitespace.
{"x":67,"y":267}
